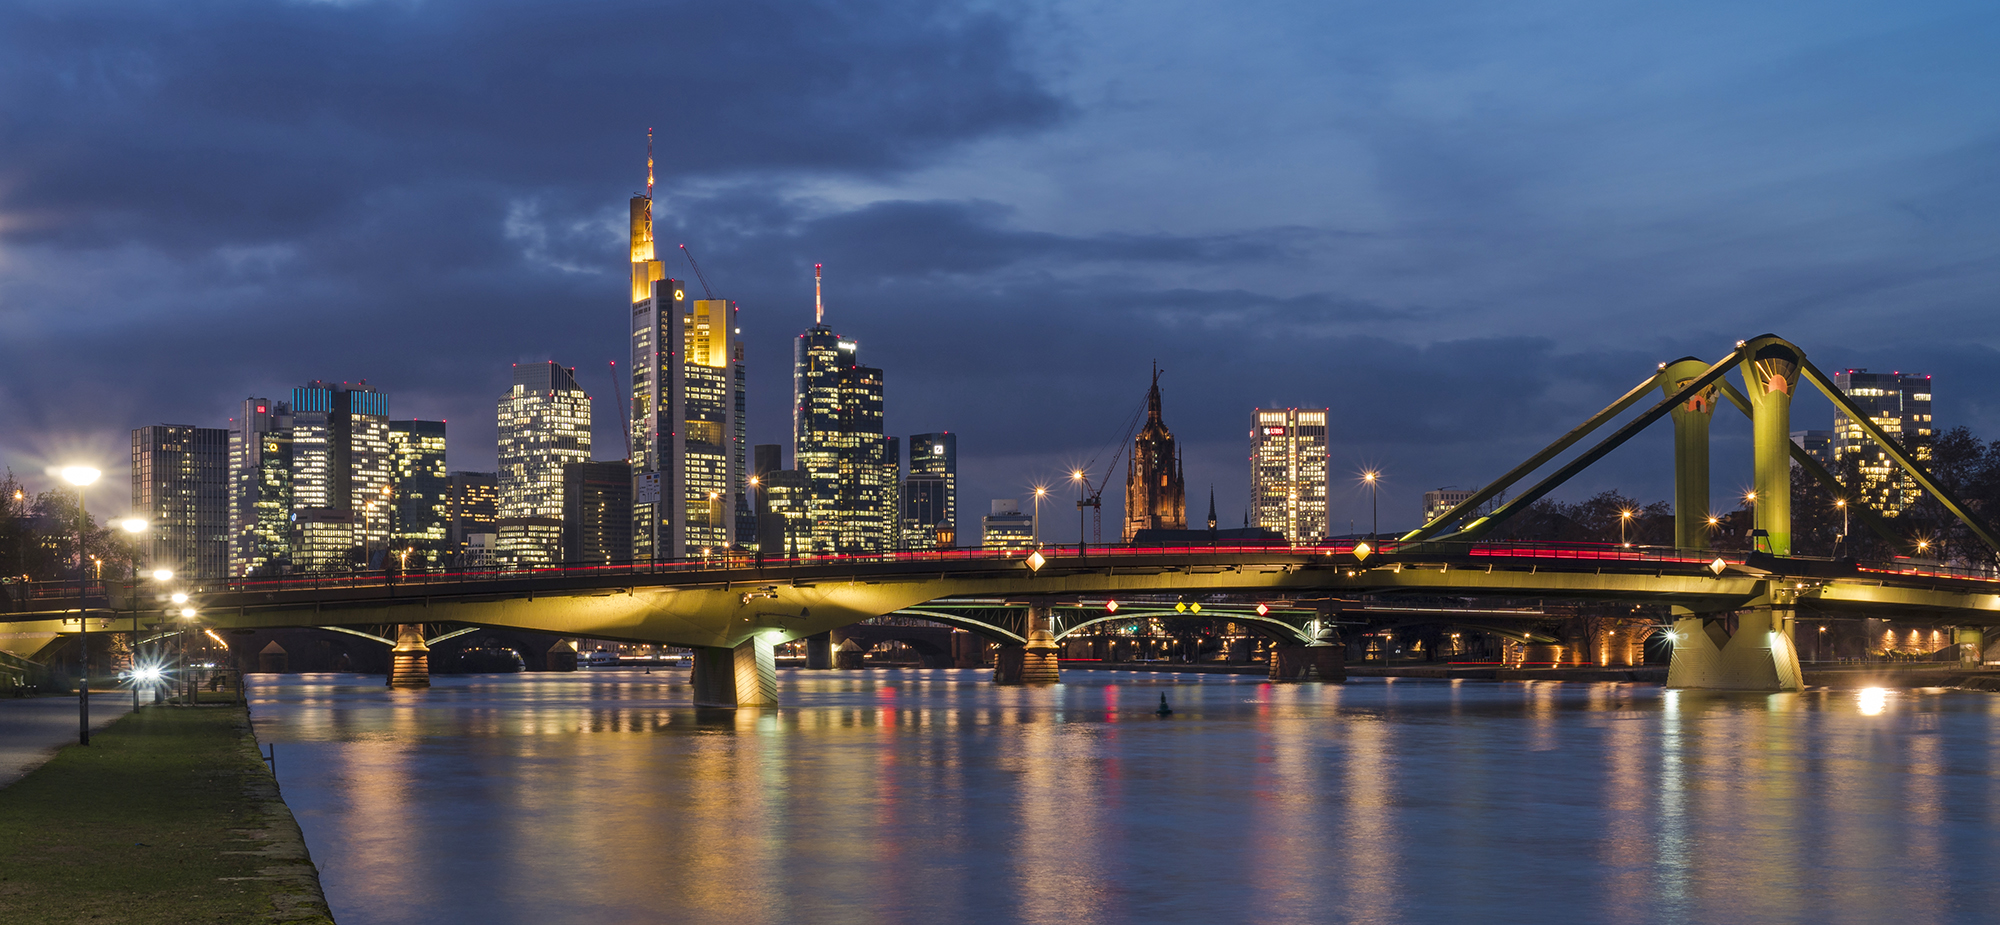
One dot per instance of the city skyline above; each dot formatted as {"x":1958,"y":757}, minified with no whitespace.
{"x":1484,"y":223}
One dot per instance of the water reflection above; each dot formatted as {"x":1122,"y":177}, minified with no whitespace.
{"x":932,"y":796}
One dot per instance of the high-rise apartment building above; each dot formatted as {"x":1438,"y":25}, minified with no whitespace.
{"x":930,"y":491}
{"x":597,"y":513}
{"x":260,"y":489}
{"x":689,"y":449}
{"x":1155,"y":495}
{"x":544,"y":425}
{"x":419,"y":489}
{"x":340,"y":477}
{"x":838,"y":442}
{"x":1901,"y":406}
{"x":180,"y":484}
{"x":1288,"y":472}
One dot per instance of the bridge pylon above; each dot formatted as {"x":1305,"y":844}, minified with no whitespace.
{"x":745,"y":675}
{"x":1033,"y":661}
{"x":410,"y":660}
{"x":1760,"y":655}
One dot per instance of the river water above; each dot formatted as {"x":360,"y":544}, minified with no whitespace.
{"x":937,"y":797}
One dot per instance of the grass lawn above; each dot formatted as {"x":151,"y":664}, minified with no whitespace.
{"x":168,"y":816}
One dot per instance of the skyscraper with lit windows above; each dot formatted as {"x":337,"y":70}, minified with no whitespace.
{"x":930,"y":491}
{"x":690,"y":453}
{"x":544,"y":425}
{"x":180,"y":484}
{"x":420,"y":492}
{"x":1288,"y":472}
{"x":341,"y":476}
{"x":848,"y":464}
{"x":1901,"y":406}
{"x":260,"y":489}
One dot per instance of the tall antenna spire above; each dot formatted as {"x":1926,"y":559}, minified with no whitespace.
{"x":819,"y":307}
{"x":649,"y":162}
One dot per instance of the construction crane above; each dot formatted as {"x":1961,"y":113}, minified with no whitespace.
{"x":1094,"y":493}
{"x":697,"y":271}
{"x":618,"y":395}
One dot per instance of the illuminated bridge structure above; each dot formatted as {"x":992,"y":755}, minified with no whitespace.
{"x":1735,"y":613}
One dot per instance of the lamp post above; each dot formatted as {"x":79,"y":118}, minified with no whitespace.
{"x":134,"y":526}
{"x":1035,"y":528}
{"x":1373,"y":479}
{"x":1842,"y":504}
{"x":1082,"y":484}
{"x":1624,"y":517}
{"x":81,"y":476}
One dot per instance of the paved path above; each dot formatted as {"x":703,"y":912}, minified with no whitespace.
{"x":32,"y":728}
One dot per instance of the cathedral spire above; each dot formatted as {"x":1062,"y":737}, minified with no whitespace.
{"x":1153,"y":397}
{"x":1211,"y":509}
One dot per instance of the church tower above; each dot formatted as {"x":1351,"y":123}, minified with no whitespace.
{"x":1155,"y":498}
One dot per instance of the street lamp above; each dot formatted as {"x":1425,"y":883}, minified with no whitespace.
{"x":135,"y":526}
{"x":1373,"y":479}
{"x":1082,"y":483}
{"x":1624,"y":517}
{"x":1041,"y":491}
{"x":81,"y":476}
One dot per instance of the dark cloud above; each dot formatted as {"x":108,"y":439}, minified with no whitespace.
{"x":186,"y":124}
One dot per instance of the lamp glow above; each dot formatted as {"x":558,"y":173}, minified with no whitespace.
{"x":163,"y":574}
{"x":133,"y":524}
{"x":180,"y":597}
{"x":80,"y":475}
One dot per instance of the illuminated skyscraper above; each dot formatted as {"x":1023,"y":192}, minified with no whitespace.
{"x":340,"y":476}
{"x":689,"y":455}
{"x":1901,"y":406}
{"x":838,"y":443}
{"x":1155,"y":497}
{"x":1288,"y":472}
{"x":930,"y":492}
{"x":420,"y":492}
{"x":544,"y":425}
{"x":180,"y":484}
{"x":260,"y":489}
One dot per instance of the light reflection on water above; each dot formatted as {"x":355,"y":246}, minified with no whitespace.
{"x":935,"y":796}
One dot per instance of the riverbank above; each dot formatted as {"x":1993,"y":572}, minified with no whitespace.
{"x":170,"y":815}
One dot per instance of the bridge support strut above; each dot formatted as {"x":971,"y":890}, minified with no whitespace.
{"x":410,"y":660}
{"x":1319,"y":662}
{"x":744,"y":676}
{"x":1759,"y":656}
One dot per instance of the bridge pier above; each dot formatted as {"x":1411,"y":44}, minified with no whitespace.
{"x":1759,"y":656}
{"x":819,"y":650}
{"x":1323,"y":662}
{"x":1033,"y":662}
{"x":744,"y":676}
{"x":1971,"y":645}
{"x":410,"y":660}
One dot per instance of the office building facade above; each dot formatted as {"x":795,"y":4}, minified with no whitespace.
{"x":180,"y":484}
{"x":929,"y":499}
{"x":341,"y":477}
{"x":420,"y":489}
{"x":260,"y":489}
{"x":848,"y":463}
{"x":1288,"y":472}
{"x":544,"y":425}
{"x":1007,"y":527}
{"x":472,"y":504}
{"x":1901,"y":406}
{"x":597,"y":513}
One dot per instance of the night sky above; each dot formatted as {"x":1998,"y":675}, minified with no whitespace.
{"x":1463,"y":225}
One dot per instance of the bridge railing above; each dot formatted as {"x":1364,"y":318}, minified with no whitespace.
{"x":47,"y":597}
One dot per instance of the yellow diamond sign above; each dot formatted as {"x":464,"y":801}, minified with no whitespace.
{"x":1361,"y":551}
{"x":1035,"y":561}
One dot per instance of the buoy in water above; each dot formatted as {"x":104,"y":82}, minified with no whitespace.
{"x":1164,"y":710}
